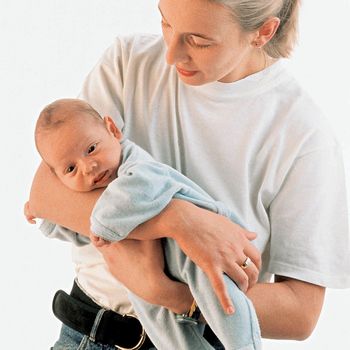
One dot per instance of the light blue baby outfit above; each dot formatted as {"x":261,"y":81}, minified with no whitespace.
{"x":142,"y":189}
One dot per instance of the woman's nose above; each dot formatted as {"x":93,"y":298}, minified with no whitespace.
{"x":177,"y":52}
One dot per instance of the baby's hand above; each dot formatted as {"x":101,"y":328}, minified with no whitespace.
{"x":99,"y":242}
{"x":30,"y":218}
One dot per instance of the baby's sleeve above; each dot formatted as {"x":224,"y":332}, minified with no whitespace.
{"x":52,"y":230}
{"x":140,"y":193}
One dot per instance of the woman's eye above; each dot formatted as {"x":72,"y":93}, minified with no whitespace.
{"x":199,"y":42}
{"x":70,"y":169}
{"x":92,"y":148}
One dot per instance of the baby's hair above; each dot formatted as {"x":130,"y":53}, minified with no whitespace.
{"x":57,"y":113}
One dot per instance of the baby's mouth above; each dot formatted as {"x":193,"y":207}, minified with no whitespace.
{"x":101,"y":178}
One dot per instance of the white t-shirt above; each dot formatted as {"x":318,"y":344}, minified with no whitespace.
{"x":260,"y":145}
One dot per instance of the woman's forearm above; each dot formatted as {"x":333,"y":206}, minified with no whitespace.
{"x":53,"y":201}
{"x":288,"y":309}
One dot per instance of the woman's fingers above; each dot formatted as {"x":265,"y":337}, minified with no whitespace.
{"x":244,"y":276}
{"x":252,"y":271}
{"x":250,"y":235}
{"x":251,"y":251}
{"x":243,"y":279}
{"x":29,"y":217}
{"x":218,"y":282}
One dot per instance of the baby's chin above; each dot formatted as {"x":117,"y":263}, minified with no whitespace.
{"x":82,"y":189}
{"x":91,"y":189}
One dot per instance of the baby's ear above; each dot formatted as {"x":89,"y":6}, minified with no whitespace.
{"x":112,"y":128}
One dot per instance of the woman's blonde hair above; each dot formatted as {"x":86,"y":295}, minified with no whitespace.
{"x":250,"y":15}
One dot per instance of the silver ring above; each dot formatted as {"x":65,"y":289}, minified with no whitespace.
{"x":246,"y":263}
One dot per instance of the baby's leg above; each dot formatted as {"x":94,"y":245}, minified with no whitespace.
{"x":237,"y":331}
{"x":98,"y":242}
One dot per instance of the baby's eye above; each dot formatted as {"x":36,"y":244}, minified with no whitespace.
{"x":164,"y":24}
{"x":92,"y":148}
{"x":70,"y":169}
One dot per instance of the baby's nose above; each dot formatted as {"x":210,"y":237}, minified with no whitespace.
{"x":88,"y":167}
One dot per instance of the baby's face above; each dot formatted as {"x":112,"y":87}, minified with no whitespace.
{"x":83,"y":154}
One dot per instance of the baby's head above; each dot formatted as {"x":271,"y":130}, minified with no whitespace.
{"x":80,"y":147}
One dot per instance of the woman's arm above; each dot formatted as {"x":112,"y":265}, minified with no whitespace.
{"x":147,"y":278}
{"x":53,"y":201}
{"x":288,"y":308}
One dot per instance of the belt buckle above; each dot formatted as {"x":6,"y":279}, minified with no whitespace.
{"x":142,"y":339}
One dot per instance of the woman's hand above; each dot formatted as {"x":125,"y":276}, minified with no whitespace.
{"x":221,"y":249}
{"x":139,"y":266}
{"x":29,"y":217}
{"x":212,"y":241}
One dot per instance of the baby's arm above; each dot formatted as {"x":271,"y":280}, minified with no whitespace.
{"x":30,"y":218}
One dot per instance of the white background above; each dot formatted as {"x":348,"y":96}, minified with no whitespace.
{"x":46,"y":50}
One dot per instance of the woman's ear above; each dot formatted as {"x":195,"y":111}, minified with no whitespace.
{"x":266,"y":32}
{"x":112,"y":128}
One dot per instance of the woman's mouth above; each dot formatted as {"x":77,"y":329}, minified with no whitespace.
{"x":187,"y":73}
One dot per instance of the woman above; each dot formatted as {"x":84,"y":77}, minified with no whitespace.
{"x":215,"y":103}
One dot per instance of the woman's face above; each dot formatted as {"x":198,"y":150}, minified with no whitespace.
{"x":204,"y":43}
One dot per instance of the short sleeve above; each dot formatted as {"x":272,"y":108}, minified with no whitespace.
{"x":309,"y":221}
{"x":103,"y":87}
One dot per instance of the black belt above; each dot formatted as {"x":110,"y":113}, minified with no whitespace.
{"x":80,"y":313}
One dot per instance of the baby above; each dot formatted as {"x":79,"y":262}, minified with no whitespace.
{"x":87,"y":152}
{"x":80,"y":148}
